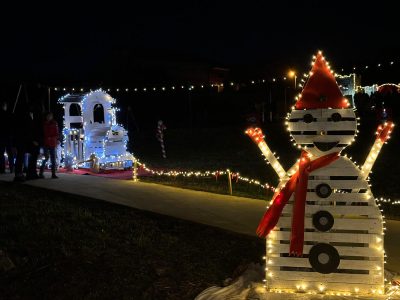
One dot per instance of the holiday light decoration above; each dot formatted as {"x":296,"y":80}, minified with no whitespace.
{"x":383,"y":134}
{"x":160,"y":137}
{"x":324,"y":228}
{"x":387,"y":201}
{"x":216,"y":174}
{"x":258,"y":137}
{"x":90,"y":128}
{"x":376,"y":88}
{"x":235,"y":175}
{"x":218,"y":86}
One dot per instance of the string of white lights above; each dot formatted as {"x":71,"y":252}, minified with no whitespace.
{"x":220,"y":86}
{"x":216,"y":174}
{"x":235,"y":175}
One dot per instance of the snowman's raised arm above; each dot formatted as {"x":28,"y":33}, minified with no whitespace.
{"x":382,"y":135}
{"x":257,"y":136}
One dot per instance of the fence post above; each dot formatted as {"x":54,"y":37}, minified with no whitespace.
{"x":229,"y":181}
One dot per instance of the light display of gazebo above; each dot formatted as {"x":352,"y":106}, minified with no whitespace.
{"x":91,"y":132}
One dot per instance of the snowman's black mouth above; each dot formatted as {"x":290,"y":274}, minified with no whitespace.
{"x":325,"y":146}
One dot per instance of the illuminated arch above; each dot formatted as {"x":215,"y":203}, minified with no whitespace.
{"x":98,"y":113}
{"x":75,"y":110}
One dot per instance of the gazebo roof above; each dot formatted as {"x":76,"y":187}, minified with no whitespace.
{"x":72,"y":98}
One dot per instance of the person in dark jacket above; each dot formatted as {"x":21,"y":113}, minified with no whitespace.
{"x":50,"y":141}
{"x":20,"y":145}
{"x":6,"y":139}
{"x":27,"y":135}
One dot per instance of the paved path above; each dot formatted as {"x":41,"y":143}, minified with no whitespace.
{"x":232,"y":213}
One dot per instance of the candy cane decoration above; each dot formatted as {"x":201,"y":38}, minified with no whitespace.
{"x":160,"y":137}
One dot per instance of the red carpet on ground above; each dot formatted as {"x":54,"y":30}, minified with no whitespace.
{"x":114,"y":174}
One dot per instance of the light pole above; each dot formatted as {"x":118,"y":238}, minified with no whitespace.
{"x":292,"y":74}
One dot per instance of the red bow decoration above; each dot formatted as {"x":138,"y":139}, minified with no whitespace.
{"x":297,"y":184}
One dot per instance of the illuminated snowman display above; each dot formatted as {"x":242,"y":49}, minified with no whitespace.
{"x":324,"y":230}
{"x":90,"y":128}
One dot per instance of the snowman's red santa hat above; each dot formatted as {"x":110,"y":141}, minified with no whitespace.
{"x":321,"y":89}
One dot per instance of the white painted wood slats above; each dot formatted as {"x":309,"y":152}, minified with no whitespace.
{"x":370,"y":225}
{"x":326,"y":125}
{"x":328,"y":237}
{"x":356,"y":235}
{"x":344,"y":263}
{"x":321,"y":113}
{"x":343,"y":250}
{"x":350,"y":211}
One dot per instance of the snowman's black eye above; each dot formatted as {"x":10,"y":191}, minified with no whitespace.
{"x":336,"y":117}
{"x":307,"y":118}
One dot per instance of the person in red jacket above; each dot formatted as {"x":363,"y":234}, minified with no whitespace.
{"x":50,"y":141}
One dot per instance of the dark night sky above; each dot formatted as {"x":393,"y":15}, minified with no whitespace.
{"x":73,"y":42}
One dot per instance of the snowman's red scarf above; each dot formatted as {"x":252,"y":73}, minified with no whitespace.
{"x":297,"y":184}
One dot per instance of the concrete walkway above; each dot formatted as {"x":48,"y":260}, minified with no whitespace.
{"x":232,"y":213}
{"x":237,"y":214}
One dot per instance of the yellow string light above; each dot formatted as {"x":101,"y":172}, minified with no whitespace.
{"x":216,"y":173}
{"x":202,"y":85}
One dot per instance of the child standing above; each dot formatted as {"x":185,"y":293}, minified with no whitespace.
{"x":50,"y":141}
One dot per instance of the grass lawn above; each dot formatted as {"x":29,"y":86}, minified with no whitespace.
{"x":69,"y":247}
{"x":223,"y":148}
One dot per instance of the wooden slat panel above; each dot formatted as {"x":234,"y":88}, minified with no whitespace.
{"x":344,"y":263}
{"x":277,"y":269}
{"x":297,"y":114}
{"x":327,"y":237}
{"x":371,"y":211}
{"x":372,"y":225}
{"x":340,"y":167}
{"x":345,"y":113}
{"x":341,"y":162}
{"x":340,"y":184}
{"x":294,"y":277}
{"x":339,"y":171}
{"x":343,"y":251}
{"x":342,"y":197}
{"x":326,"y":125}
{"x":309,"y":139}
{"x":322,"y":113}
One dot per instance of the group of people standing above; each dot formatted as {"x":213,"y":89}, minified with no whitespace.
{"x":22,"y":135}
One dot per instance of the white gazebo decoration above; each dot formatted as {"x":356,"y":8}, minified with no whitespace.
{"x":91,"y":130}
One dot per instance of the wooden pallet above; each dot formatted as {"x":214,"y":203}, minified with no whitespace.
{"x":357,"y":235}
